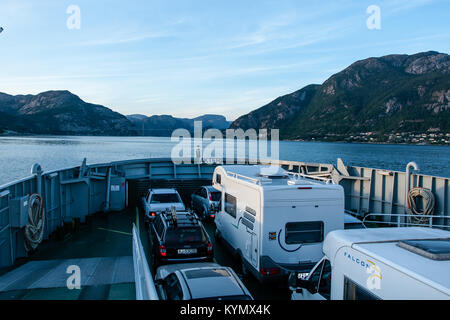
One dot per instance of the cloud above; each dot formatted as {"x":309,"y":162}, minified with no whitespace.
{"x":125,"y":38}
{"x":395,"y":6}
{"x":274,"y":29}
{"x":291,"y":34}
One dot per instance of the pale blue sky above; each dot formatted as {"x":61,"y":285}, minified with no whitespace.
{"x":190,"y":57}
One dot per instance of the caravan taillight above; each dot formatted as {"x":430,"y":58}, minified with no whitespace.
{"x":269,"y":271}
{"x":162,"y":251}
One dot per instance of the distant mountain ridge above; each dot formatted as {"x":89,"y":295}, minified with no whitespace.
{"x":394,"y":93}
{"x":164,"y":125}
{"x":62,"y":112}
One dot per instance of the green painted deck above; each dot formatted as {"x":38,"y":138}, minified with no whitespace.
{"x":102,"y":248}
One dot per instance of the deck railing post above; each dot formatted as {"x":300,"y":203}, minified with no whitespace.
{"x":408,"y":182}
{"x":108,"y":189}
{"x":37,"y":171}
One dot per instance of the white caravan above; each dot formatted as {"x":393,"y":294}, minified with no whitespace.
{"x":275,"y":221}
{"x":408,"y":263}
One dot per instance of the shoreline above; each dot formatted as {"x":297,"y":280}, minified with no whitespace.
{"x":27,"y":135}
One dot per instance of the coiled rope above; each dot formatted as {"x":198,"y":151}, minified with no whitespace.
{"x":416,"y":216}
{"x":34,"y":230}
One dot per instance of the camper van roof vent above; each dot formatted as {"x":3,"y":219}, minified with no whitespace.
{"x":435,"y":249}
{"x":272,"y":172}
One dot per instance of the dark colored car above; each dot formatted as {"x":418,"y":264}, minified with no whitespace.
{"x":180,"y":237}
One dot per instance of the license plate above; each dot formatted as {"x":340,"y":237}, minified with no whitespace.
{"x":187,"y":251}
{"x":302,"y":275}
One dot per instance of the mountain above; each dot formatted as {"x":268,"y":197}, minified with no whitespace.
{"x":213,"y":121}
{"x":164,"y":125}
{"x":59,"y":112}
{"x":394,"y":93}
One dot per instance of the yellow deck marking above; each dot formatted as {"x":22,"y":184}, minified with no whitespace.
{"x":116,"y":231}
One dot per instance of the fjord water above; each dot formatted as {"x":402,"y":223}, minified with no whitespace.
{"x":18,"y":154}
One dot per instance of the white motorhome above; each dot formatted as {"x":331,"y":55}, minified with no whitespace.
{"x":275,"y":221}
{"x":407,"y":263}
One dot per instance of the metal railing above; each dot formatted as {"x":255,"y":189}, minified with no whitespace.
{"x":241,"y":176}
{"x":406,"y":220}
{"x":294,"y":175}
{"x":145,"y":286}
{"x":312,"y":177}
{"x":80,"y":191}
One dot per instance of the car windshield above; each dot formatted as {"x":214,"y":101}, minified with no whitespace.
{"x":165,"y":198}
{"x":216,"y":196}
{"x":180,"y":236}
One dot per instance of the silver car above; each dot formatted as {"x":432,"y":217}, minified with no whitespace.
{"x":205,"y":202}
{"x":199,"y":281}
{"x":158,"y":200}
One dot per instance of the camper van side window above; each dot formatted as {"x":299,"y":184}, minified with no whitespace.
{"x":353,"y":291}
{"x":230,"y":205}
{"x":304,"y":232}
{"x":218,"y":178}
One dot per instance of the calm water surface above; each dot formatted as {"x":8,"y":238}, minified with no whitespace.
{"x":18,"y":154}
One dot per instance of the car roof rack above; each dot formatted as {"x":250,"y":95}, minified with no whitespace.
{"x":177,"y":219}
